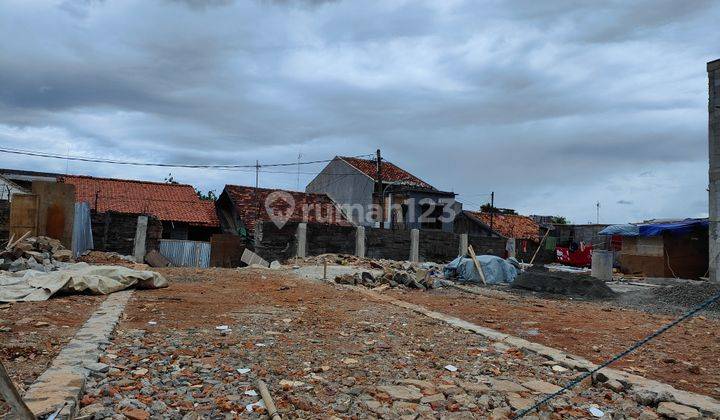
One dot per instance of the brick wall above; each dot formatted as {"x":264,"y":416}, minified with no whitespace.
{"x":273,"y":243}
{"x":388,"y":244}
{"x":438,"y":246}
{"x":330,"y":239}
{"x":115,"y":232}
{"x":281,"y":244}
{"x":4,"y":220}
{"x":484,"y":245}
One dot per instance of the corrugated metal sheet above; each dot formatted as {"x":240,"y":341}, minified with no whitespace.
{"x":186,"y":253}
{"x":82,"y":238}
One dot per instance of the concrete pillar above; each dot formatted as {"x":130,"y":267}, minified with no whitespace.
{"x":713,"y":69}
{"x":360,"y":241}
{"x":463,"y":245}
{"x":415,"y":245}
{"x":301,"y":239}
{"x":510,"y":247}
{"x":140,"y":235}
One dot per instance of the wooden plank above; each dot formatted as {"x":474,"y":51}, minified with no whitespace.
{"x":18,"y":409}
{"x":471,"y":251}
{"x":539,"y":246}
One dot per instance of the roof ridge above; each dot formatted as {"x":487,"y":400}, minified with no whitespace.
{"x":276,"y":189}
{"x":137,"y":181}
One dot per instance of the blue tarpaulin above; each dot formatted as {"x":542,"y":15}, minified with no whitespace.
{"x":496,"y":270}
{"x":679,"y":227}
{"x":622,"y":230}
{"x":674,"y":228}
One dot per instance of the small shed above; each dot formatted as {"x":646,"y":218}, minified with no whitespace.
{"x":673,"y":248}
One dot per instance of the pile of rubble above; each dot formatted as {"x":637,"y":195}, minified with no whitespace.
{"x":420,"y":278}
{"x":351,"y":260}
{"x":34,"y":253}
{"x":106,"y":258}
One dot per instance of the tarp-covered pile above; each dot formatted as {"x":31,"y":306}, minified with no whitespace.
{"x":495,"y":269}
{"x":674,"y":227}
{"x":32,"y":285}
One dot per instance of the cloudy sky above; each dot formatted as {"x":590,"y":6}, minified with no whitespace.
{"x":554,"y":105}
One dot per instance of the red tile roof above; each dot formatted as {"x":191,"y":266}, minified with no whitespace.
{"x":511,"y":225}
{"x":390,"y":172}
{"x":250,"y":204}
{"x":167,"y":202}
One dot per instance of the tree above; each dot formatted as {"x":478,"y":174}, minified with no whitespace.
{"x":559,"y":220}
{"x":170,"y":179}
{"x":209,"y":196}
{"x":487,"y":208}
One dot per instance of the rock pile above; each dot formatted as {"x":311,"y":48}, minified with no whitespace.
{"x":412,"y":278}
{"x":34,"y":253}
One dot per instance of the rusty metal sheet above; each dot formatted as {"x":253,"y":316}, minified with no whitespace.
{"x":23,"y":214}
{"x":226,"y":250}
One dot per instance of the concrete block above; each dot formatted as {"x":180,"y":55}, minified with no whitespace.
{"x":140,"y":235}
{"x":415,"y":245}
{"x":463,"y":250}
{"x":301,"y":240}
{"x":360,"y":241}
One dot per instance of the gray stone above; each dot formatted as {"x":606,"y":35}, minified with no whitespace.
{"x":506,"y":386}
{"x":433,"y":399}
{"x":97,"y":367}
{"x":678,"y":411}
{"x":402,"y":392}
{"x":541,"y":387}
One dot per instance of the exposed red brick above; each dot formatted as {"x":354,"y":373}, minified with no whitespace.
{"x":250,"y":205}
{"x":167,"y":202}
{"x":511,"y":225}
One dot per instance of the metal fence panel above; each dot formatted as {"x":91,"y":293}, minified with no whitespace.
{"x":186,"y":253}
{"x":82,"y":238}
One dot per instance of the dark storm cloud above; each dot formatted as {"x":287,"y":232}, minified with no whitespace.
{"x":552,"y":105}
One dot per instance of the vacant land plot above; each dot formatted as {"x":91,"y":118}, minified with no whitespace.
{"x":32,"y":333}
{"x":324,"y":351}
{"x":686,"y":357}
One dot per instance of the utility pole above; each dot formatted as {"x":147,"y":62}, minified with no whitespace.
{"x":598,"y":212}
{"x":257,"y":184}
{"x":298,"y":171}
{"x":492,"y":210}
{"x":381,"y":194}
{"x":713,"y":69}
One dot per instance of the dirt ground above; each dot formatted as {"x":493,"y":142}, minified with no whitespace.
{"x":323,"y":350}
{"x":686,"y":357}
{"x":327,"y":351}
{"x":32,"y":333}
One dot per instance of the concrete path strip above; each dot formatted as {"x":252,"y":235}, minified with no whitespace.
{"x":656,"y":391}
{"x":64,"y":381}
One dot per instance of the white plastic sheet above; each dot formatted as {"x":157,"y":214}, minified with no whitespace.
{"x":33,"y":286}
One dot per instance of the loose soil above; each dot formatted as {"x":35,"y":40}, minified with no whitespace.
{"x":686,"y":357}
{"x":37,"y":333}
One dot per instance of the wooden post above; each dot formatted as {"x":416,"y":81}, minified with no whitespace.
{"x":477,"y":263}
{"x":18,"y":409}
{"x":269,"y":404}
{"x":539,"y":246}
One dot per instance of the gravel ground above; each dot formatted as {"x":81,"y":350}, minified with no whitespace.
{"x":673,"y":299}
{"x":324,"y":352}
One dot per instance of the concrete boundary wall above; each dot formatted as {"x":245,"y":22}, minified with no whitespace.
{"x":281,"y":243}
{"x":64,"y":381}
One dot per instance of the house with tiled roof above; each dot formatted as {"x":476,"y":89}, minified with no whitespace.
{"x":240,"y":209}
{"x":498,"y":224}
{"x":361,"y":187}
{"x":177,"y":206}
